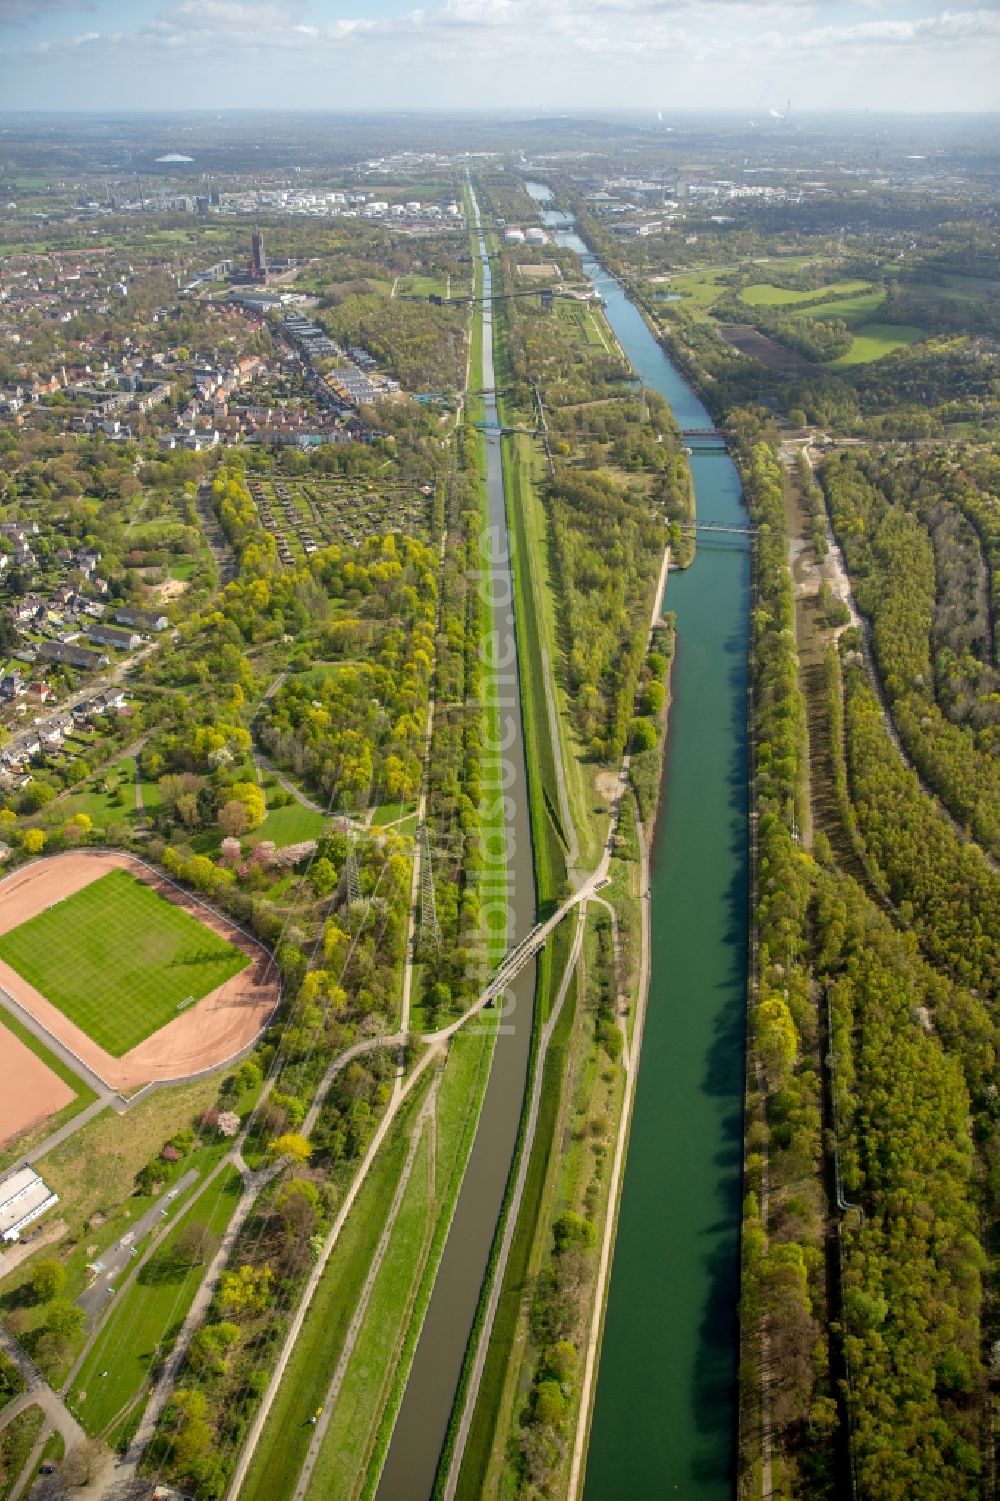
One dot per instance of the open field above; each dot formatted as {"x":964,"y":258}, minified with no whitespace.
{"x":873,"y":340}
{"x":31,"y":1093}
{"x":765,"y":294}
{"x":290,"y":824}
{"x":850,"y":310}
{"x":103,"y":807}
{"x":198,"y":1037}
{"x":698,"y":290}
{"x":118,"y":959}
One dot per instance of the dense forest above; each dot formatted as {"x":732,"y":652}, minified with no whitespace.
{"x":921,"y":579}
{"x":872,"y":1102}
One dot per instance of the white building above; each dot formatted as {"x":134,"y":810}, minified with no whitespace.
{"x":23,"y":1197}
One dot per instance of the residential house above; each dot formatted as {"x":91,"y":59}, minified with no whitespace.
{"x":109,"y":635}
{"x":142,"y":620}
{"x":73,"y":656}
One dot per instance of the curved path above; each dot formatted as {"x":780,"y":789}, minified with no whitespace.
{"x":260,"y":1418}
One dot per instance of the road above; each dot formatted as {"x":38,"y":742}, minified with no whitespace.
{"x":160,"y":1394}
{"x":119,"y":1256}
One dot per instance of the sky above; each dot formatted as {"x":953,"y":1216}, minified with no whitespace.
{"x":750,"y":55}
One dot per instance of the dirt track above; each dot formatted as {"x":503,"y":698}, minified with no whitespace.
{"x":222,"y":1023}
{"x":31,"y":1091}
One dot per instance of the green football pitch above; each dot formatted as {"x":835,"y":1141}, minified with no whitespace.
{"x":119,"y":960}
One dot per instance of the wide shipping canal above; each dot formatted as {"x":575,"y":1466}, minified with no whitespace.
{"x":664,"y":1419}
{"x":419,"y":1431}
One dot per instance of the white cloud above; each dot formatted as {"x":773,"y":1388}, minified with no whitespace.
{"x":590,"y":52}
{"x":17,"y":12}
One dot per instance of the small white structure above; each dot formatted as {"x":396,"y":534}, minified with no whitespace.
{"x":23,"y":1197}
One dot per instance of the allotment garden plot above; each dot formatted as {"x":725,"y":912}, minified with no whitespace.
{"x":305,"y":515}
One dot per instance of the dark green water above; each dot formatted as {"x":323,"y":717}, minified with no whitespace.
{"x":664,"y":1421}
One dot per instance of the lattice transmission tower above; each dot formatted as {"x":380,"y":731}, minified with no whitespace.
{"x":353,"y":877}
{"x":430,"y":930}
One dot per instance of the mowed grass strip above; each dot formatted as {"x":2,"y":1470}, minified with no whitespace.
{"x":119,"y":960}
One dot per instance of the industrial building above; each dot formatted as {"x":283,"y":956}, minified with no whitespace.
{"x":23,"y":1197}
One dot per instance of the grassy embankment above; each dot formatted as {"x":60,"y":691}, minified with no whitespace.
{"x":284,"y":1443}
{"x":375,"y":1375}
{"x":549,"y":852}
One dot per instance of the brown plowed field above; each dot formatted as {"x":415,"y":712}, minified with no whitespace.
{"x":750,"y":341}
{"x":222,"y":1022}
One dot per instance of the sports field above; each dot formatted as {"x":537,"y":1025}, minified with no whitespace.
{"x":765,"y":294}
{"x":119,"y":960}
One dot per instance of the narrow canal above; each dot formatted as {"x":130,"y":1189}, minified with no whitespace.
{"x":664,"y":1419}
{"x":414,"y":1450}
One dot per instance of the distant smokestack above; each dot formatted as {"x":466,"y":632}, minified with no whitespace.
{"x":258,"y":260}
